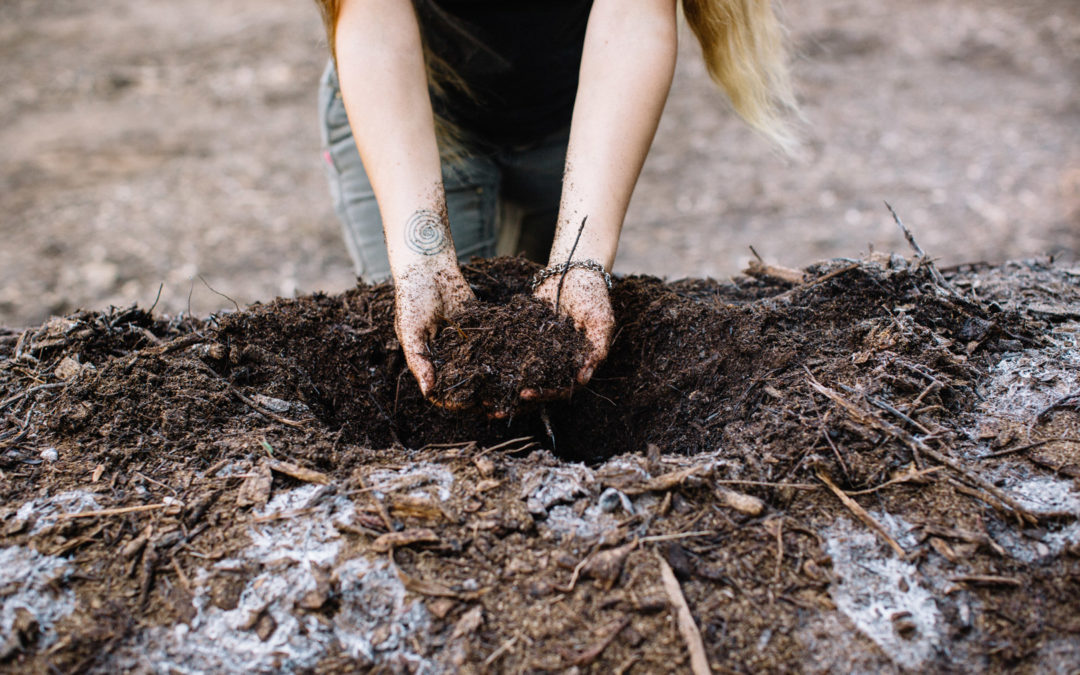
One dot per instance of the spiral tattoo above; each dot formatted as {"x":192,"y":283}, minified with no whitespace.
{"x":425,"y":233}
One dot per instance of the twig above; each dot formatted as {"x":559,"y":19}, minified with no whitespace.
{"x":151,"y":310}
{"x":917,"y":445}
{"x":906,"y":478}
{"x":699,"y":663}
{"x":32,"y":390}
{"x":502,"y":649}
{"x":987,"y":579}
{"x":907,"y":233}
{"x":263,"y":411}
{"x":1070,"y":400}
{"x":836,"y":452}
{"x":938,"y":279}
{"x":862,"y":514}
{"x":816,"y":282}
{"x":673,"y":537}
{"x":762,"y":483}
{"x":111,"y":512}
{"x":504,"y":444}
{"x":558,"y":291}
{"x":590,"y":654}
{"x":213,"y":290}
{"x":1031,"y":446}
{"x":569,"y":588}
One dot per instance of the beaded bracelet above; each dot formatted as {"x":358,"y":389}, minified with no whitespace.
{"x":555,"y":270}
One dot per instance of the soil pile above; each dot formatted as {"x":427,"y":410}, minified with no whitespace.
{"x":866,"y":466}
{"x":487,"y":354}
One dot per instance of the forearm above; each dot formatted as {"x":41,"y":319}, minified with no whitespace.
{"x":384,"y":87}
{"x":626,"y":71}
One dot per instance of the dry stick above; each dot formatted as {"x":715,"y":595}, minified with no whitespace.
{"x":861,"y":514}
{"x":816,"y":282}
{"x":558,"y":291}
{"x":918,"y":446}
{"x":699,"y":663}
{"x":32,"y":390}
{"x":940,"y":280}
{"x":263,"y":411}
{"x":213,"y":290}
{"x":673,"y":537}
{"x":907,"y":478}
{"x":987,"y":579}
{"x":503,"y":648}
{"x":836,"y":452}
{"x":504,"y":444}
{"x":1031,"y":446}
{"x":762,"y":483}
{"x":111,"y":512}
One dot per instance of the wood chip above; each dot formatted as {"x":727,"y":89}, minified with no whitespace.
{"x":987,"y":580}
{"x":469,"y":622}
{"x":699,"y":663}
{"x":743,"y":503}
{"x":391,"y":540}
{"x":664,"y":482}
{"x":299,"y":472}
{"x":111,"y":512}
{"x":606,"y":566}
{"x":255,"y":490}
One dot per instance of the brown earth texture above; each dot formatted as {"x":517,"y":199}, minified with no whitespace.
{"x":863,"y":465}
{"x":868,"y":463}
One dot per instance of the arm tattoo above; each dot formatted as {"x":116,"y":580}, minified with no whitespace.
{"x":426,"y":233}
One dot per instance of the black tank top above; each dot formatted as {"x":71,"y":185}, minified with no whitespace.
{"x":518,"y":58}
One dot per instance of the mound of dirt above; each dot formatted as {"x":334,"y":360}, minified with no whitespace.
{"x":868,"y":466}
{"x":488,"y":353}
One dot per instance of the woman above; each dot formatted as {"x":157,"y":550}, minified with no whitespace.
{"x":509,"y":126}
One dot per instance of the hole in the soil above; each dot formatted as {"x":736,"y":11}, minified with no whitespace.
{"x":689,"y":360}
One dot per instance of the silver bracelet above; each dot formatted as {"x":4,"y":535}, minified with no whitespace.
{"x":555,"y":270}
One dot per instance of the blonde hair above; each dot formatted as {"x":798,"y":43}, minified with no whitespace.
{"x":741,"y":41}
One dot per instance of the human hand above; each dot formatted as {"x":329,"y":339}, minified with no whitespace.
{"x":424,"y":294}
{"x":586,"y":301}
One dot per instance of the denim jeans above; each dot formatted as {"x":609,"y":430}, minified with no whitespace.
{"x":500,"y":202}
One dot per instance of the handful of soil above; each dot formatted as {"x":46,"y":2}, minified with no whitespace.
{"x":486,"y":354}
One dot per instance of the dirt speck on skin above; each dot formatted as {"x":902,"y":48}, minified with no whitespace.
{"x":269,"y":486}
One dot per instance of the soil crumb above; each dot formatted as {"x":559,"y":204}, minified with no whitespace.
{"x":487,"y":354}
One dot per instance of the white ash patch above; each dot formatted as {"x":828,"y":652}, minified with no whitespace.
{"x":593,"y":522}
{"x":375,"y":621}
{"x":872,"y":587}
{"x":413,"y":477}
{"x":1041,"y":494}
{"x":547,"y":486}
{"x":1046,"y":494}
{"x":44,"y":511}
{"x":550,"y":493}
{"x":1024,"y":383}
{"x":26,"y":584}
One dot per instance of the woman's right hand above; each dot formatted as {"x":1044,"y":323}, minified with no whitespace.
{"x":424,"y":294}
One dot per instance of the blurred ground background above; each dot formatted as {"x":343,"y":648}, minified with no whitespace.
{"x":148,"y":143}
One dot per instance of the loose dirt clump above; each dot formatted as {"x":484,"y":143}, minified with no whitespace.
{"x":865,"y":465}
{"x":487,"y":354}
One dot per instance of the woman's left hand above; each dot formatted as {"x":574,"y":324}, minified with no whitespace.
{"x":585,"y":300}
